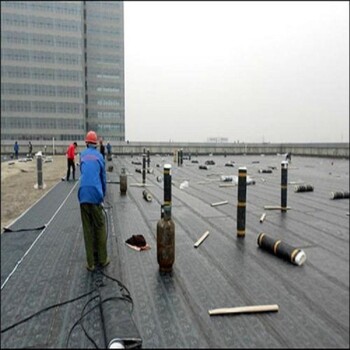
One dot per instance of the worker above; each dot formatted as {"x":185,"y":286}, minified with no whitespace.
{"x":16,"y":149}
{"x":91,"y":195}
{"x":70,"y":160}
{"x":102,"y":148}
{"x":109,"y":149}
{"x":30,"y":150}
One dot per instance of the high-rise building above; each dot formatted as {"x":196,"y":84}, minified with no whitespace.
{"x":62,"y":70}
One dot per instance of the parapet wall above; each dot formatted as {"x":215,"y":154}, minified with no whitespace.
{"x":331,"y":150}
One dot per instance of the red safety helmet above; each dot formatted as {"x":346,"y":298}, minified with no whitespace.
{"x":91,"y":137}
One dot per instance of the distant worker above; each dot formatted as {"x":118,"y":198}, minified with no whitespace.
{"x":109,"y":148}
{"x":70,"y":160}
{"x":91,"y":194}
{"x":109,"y":151}
{"x":30,"y":150}
{"x":16,"y":149}
{"x":102,"y":148}
{"x":289,"y":157}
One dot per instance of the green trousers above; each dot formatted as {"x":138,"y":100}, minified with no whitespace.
{"x":95,"y":237}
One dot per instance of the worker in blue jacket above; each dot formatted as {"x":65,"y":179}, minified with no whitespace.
{"x":91,"y":194}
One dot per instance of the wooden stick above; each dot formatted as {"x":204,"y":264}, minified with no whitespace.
{"x":274,"y":207}
{"x":140,"y":185}
{"x":244,"y":309}
{"x":262,"y":218}
{"x":204,"y":236}
{"x":218,"y":203}
{"x":227,"y":185}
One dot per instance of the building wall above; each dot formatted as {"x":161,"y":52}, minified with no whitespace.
{"x":53,"y":62}
{"x":104,"y":47}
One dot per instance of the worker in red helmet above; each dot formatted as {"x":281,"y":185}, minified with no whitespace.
{"x":70,"y":160}
{"x":91,"y":194}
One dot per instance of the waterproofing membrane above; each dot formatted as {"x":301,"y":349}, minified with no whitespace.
{"x":171,"y":310}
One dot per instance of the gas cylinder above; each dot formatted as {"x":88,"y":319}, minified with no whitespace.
{"x":165,"y":240}
{"x":123,"y":182}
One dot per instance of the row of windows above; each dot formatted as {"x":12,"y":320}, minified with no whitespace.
{"x":47,"y":137}
{"x":40,"y":56}
{"x":103,"y":30}
{"x":104,"y":4}
{"x":41,"y":90}
{"x":40,"y":40}
{"x":105,"y":58}
{"x":40,"y":73}
{"x":104,"y":70}
{"x":69,"y":8}
{"x":101,"y":44}
{"x":41,"y":107}
{"x":91,"y":15}
{"x":101,"y":61}
{"x":106,"y":89}
{"x":103,"y":115}
{"x":42,"y":123}
{"x":8,"y":19}
{"x":101,"y":102}
{"x":105,"y":76}
{"x":105,"y":128}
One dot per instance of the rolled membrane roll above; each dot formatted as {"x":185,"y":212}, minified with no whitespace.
{"x":282,"y":250}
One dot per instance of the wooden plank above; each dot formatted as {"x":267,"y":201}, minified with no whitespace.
{"x":244,"y":309}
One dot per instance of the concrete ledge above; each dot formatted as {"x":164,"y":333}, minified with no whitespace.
{"x":331,"y":150}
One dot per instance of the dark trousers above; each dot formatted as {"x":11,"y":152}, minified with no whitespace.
{"x":70,"y":164}
{"x":95,"y":237}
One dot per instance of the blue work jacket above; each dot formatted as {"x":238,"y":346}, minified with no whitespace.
{"x":93,"y":177}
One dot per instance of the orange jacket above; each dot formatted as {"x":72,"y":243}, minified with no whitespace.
{"x":70,"y":151}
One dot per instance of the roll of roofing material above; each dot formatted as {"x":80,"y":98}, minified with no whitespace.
{"x":339,"y":195}
{"x":120,"y":331}
{"x":265,"y":171}
{"x":303,"y":188}
{"x":283,"y":250}
{"x":147,"y":196}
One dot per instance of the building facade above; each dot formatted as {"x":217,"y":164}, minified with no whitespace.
{"x":62,"y":70}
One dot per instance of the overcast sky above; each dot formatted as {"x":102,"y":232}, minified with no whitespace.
{"x":247,"y":71}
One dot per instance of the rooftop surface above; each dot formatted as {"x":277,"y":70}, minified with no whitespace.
{"x":131,"y":300}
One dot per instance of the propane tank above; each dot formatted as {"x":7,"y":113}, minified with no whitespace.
{"x":166,"y":228}
{"x":123,"y":182}
{"x":165,"y":240}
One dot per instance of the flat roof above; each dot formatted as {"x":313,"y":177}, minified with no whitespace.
{"x":133,"y":301}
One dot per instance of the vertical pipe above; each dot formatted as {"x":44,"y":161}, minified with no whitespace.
{"x":178,"y":157}
{"x":166,"y":228}
{"x":167,"y":186}
{"x":241,"y":205}
{"x":284,"y":181}
{"x":39,"y":168}
{"x":144,"y":168}
{"x":148,"y":159}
